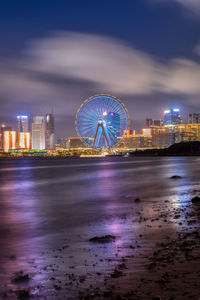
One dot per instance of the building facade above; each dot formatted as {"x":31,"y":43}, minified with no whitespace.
{"x":194,"y":118}
{"x":9,"y":140}
{"x":151,"y":122}
{"x":135,"y":141}
{"x":3,"y":128}
{"x":165,"y":136}
{"x":113,"y":120}
{"x":22,"y":123}
{"x":172,"y":117}
{"x":164,"y":140}
{"x":38,"y":133}
{"x":49,"y":132}
{"x":24,"y":140}
{"x":75,"y":143}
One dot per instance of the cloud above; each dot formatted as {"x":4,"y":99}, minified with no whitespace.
{"x":104,"y":61}
{"x":52,"y":65}
{"x":191,"y":5}
{"x":182,"y":77}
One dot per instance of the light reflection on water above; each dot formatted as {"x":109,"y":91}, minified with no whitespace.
{"x":47,"y":204}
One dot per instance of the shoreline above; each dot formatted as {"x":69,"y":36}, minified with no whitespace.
{"x":91,"y":240}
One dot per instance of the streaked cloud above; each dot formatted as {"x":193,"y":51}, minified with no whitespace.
{"x":106,"y":64}
{"x":182,"y":77}
{"x":190,"y":6}
{"x":111,"y":64}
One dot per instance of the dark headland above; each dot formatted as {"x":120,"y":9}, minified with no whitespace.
{"x":180,"y":149}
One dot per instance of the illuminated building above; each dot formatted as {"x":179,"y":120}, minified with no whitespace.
{"x":113,"y":121}
{"x":128,"y":132}
{"x":158,"y":122}
{"x":194,"y":118}
{"x":22,"y":123}
{"x":187,"y":133}
{"x":61,"y":143}
{"x":3,"y":128}
{"x":172,"y":117}
{"x":49,"y":132}
{"x":164,"y":140}
{"x":156,"y":130}
{"x":136,"y":141}
{"x":9,"y":140}
{"x":38,"y":133}
{"x":75,"y":143}
{"x":165,"y":136}
{"x":24,"y":140}
{"x":147,"y":131}
{"x":151,"y":122}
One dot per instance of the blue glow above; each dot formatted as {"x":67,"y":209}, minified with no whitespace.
{"x":22,"y":117}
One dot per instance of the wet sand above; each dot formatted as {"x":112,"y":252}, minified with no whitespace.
{"x":51,"y":209}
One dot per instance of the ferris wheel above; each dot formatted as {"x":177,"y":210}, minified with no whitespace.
{"x":101,"y":121}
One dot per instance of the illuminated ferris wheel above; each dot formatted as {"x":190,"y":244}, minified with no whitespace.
{"x":101,"y":121}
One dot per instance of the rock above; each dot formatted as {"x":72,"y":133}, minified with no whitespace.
{"x":23,"y":294}
{"x":107,"y":294}
{"x":122,"y":266}
{"x":116,"y":273}
{"x":196,"y":200}
{"x":82,"y":278}
{"x":103,"y":239}
{"x":57,"y":287}
{"x":151,"y":266}
{"x":12,"y":257}
{"x":20,"y":277}
{"x":175,"y":177}
{"x":137,"y":200}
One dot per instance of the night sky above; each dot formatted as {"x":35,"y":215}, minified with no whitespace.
{"x":55,"y":54}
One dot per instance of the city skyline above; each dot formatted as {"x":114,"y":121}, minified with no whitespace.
{"x":100,"y":127}
{"x":191,"y":117}
{"x":59,"y":57}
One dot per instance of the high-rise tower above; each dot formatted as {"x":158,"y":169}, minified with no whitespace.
{"x":172,"y":117}
{"x":22,"y":123}
{"x":194,"y":118}
{"x":49,"y":132}
{"x":3,"y":128}
{"x":38,"y":133}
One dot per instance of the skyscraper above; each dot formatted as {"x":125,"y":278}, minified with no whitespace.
{"x":3,"y":128}
{"x":24,"y":140}
{"x":9,"y":140}
{"x":49,"y":132}
{"x":172,"y":117}
{"x":151,"y":122}
{"x":113,"y":120}
{"x":158,"y":122}
{"x":194,"y":118}
{"x":22,"y":123}
{"x":38,"y":133}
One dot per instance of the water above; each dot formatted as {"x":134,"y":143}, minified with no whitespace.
{"x":49,"y":209}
